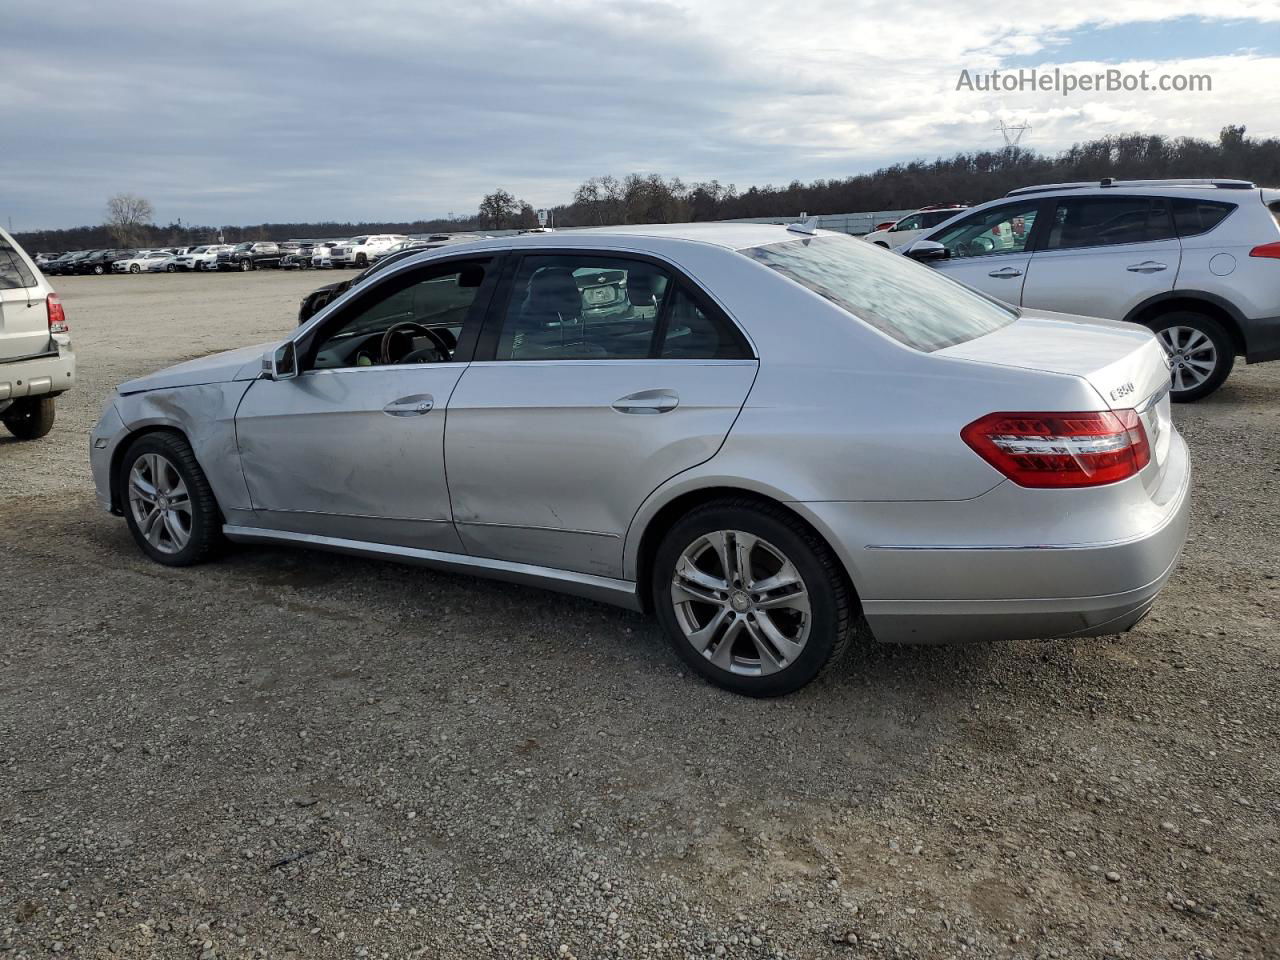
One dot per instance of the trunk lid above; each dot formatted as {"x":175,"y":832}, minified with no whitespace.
{"x":1123,"y":362}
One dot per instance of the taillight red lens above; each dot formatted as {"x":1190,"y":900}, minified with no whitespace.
{"x":1271,"y":250}
{"x":1061,"y":449}
{"x":57,"y":316}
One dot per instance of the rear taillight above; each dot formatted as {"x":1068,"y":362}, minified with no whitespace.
{"x":1270,"y":250}
{"x":57,"y":316}
{"x":1061,"y":449}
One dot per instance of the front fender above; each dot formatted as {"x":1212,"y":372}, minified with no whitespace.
{"x":205,"y":415}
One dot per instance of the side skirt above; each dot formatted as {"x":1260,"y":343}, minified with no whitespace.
{"x":620,"y":593}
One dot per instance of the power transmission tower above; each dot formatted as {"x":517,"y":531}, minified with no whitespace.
{"x":1013,"y":132}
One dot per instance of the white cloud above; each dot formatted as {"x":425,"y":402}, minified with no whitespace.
{"x":255,"y":111}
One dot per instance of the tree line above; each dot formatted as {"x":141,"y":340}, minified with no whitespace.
{"x":965,"y":177}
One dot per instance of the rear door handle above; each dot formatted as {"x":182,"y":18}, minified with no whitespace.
{"x":648,"y":401}
{"x":1147,"y":266}
{"x":414,"y":406}
{"x":1005,"y":273}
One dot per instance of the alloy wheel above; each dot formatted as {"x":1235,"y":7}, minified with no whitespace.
{"x":1192,"y":356}
{"x":741,"y":603}
{"x":160,"y":503}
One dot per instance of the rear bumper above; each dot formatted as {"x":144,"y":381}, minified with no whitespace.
{"x":931,"y":591}
{"x":1261,"y":339}
{"x":38,"y":376}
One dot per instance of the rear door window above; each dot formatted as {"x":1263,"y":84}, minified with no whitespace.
{"x":1108,"y":221}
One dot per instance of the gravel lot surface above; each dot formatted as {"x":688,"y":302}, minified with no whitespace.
{"x":296,"y":754}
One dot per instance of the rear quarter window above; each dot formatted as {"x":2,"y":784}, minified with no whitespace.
{"x":900,"y":298}
{"x":14,"y":272}
{"x":1193,"y":217}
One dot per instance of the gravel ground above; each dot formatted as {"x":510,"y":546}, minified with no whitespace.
{"x":295,"y":754}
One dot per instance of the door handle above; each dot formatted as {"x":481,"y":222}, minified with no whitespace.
{"x":648,"y":401}
{"x":1147,"y":266}
{"x":1005,"y":273}
{"x":414,"y":406}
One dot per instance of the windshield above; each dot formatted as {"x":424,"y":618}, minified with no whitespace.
{"x":900,"y":298}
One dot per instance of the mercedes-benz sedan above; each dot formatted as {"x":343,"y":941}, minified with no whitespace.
{"x":760,"y":434}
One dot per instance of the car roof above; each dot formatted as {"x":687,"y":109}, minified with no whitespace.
{"x":655,"y":237}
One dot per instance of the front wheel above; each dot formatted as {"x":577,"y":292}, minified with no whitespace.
{"x":751,"y":598}
{"x":134,"y":268}
{"x":99,"y":270}
{"x":168,"y":503}
{"x":29,"y":418}
{"x":1200,"y":351}
{"x":246,"y":266}
{"x":170,"y":268}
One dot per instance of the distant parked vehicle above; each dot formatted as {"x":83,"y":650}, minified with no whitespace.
{"x":44,"y":259}
{"x":902,"y":231}
{"x":100,"y":261}
{"x":63,"y":264}
{"x":298,"y":258}
{"x":1195,"y":261}
{"x":360,"y":251}
{"x":200,"y":258}
{"x":251,"y":255}
{"x":167,"y":263}
{"x":141,"y":263}
{"x":36,"y":360}
{"x":322,"y":255}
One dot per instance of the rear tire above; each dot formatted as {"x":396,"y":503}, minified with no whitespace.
{"x":1200,"y":350}
{"x":168,"y":503}
{"x":779,"y":637}
{"x":99,"y":270}
{"x":29,"y":418}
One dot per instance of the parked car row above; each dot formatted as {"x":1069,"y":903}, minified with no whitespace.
{"x":355,"y":252}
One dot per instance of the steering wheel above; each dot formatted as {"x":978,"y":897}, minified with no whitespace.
{"x":440,"y":344}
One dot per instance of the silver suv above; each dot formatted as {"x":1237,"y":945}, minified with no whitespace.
{"x":1196,"y":261}
{"x":36,"y":361}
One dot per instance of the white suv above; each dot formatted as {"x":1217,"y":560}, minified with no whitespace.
{"x":1196,"y":261}
{"x":201,"y":258}
{"x":360,"y":251}
{"x":36,"y":360}
{"x":914,"y":224}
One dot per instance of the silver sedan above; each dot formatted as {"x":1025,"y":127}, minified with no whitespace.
{"x":763,"y":435}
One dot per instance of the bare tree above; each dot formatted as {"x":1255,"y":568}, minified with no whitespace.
{"x":499,"y":209}
{"x":127,"y":215}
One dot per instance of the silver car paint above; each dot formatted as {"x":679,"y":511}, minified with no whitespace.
{"x":355,"y":472}
{"x":852,"y":430}
{"x":514,"y":426}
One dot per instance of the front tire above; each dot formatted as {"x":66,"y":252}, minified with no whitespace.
{"x":168,"y":503}
{"x":99,"y":270}
{"x":134,"y":268}
{"x":751,"y":598}
{"x":246,"y":266}
{"x":1200,"y":351}
{"x":29,"y":418}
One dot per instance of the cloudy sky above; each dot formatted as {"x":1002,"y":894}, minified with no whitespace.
{"x":227,"y":112}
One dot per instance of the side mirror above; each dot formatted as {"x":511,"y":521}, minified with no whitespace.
{"x":926,"y":251}
{"x":281,"y":363}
